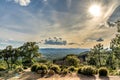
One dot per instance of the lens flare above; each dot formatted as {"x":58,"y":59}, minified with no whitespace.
{"x":95,"y":10}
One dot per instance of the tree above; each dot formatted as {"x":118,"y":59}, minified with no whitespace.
{"x":29,"y":51}
{"x":111,"y":61}
{"x":96,"y":56}
{"x":115,"y":43}
{"x":6,"y":54}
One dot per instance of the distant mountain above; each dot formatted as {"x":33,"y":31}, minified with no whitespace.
{"x":58,"y":53}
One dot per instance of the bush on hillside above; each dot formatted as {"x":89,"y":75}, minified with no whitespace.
{"x":72,"y":69}
{"x":2,"y":68}
{"x":56,"y":68}
{"x":80,"y":70}
{"x":51,"y":72}
{"x":19,"y":69}
{"x":34,"y":67}
{"x":42,"y":69}
{"x":72,"y":61}
{"x":87,"y":70}
{"x":65,"y":71}
{"x":103,"y":72}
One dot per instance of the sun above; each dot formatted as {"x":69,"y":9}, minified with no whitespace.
{"x":95,"y":10}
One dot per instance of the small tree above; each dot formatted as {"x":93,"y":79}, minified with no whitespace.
{"x":115,"y":43}
{"x":97,"y":56}
{"x":29,"y":51}
{"x":7,"y":54}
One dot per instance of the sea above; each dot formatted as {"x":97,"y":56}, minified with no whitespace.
{"x":58,"y":53}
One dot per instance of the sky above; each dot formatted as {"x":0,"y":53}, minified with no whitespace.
{"x":57,"y":23}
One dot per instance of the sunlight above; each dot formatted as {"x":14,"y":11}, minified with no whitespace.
{"x":95,"y":10}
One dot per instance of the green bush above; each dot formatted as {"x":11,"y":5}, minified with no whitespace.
{"x":34,"y":67}
{"x":27,"y":63}
{"x":87,"y":70}
{"x":19,"y":69}
{"x":56,"y":68}
{"x":72,"y":69}
{"x":2,"y":68}
{"x":25,"y":67}
{"x":80,"y":70}
{"x":65,"y":71}
{"x":72,"y":61}
{"x":103,"y":72}
{"x":42,"y":69}
{"x":62,"y":67}
{"x":51,"y":72}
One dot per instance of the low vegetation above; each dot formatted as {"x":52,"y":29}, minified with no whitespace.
{"x":103,"y":72}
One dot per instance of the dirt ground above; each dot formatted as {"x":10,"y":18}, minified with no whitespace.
{"x":28,"y":75}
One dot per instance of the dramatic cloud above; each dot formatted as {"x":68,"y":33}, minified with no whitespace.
{"x":55,"y":41}
{"x":100,"y":40}
{"x":23,"y":2}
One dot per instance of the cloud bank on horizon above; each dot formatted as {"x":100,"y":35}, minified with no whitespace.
{"x":35,"y":20}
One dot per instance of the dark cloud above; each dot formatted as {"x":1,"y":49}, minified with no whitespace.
{"x":74,"y":44}
{"x":100,"y":40}
{"x":55,"y":41}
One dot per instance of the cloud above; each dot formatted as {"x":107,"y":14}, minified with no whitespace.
{"x":55,"y":41}
{"x":100,"y":40}
{"x":75,"y":44}
{"x":23,"y":2}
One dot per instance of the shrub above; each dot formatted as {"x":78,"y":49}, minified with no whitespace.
{"x":87,"y":70}
{"x":42,"y":69}
{"x":2,"y":68}
{"x":25,"y":67}
{"x":19,"y":69}
{"x":27,"y":63}
{"x":62,"y":67}
{"x":80,"y":70}
{"x":65,"y":71}
{"x":103,"y":72}
{"x":72,"y":61}
{"x":51,"y":72}
{"x":34,"y":68}
{"x":72,"y":69}
{"x":56,"y":68}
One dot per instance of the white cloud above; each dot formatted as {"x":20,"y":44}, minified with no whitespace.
{"x":23,"y":2}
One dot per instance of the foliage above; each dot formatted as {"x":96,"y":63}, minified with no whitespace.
{"x":29,"y":51}
{"x":19,"y":69}
{"x":72,"y":69}
{"x":87,"y":70}
{"x":72,"y":61}
{"x":80,"y":70}
{"x":103,"y":71}
{"x":34,"y":67}
{"x":97,"y":56}
{"x":112,"y":62}
{"x":2,"y":68}
{"x":42,"y":70}
{"x":51,"y":72}
{"x":65,"y":71}
{"x":55,"y":68}
{"x":24,"y":55}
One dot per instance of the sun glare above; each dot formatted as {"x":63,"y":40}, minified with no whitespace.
{"x":95,"y":10}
